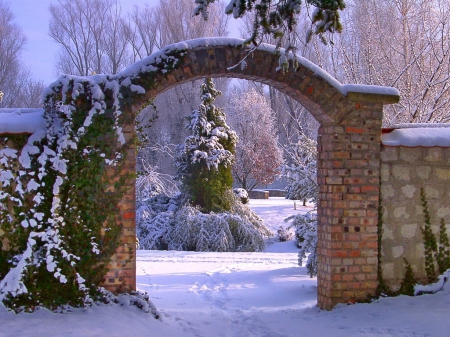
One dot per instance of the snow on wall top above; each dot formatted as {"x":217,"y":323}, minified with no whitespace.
{"x":21,"y":120}
{"x":412,"y":135}
{"x":142,"y":65}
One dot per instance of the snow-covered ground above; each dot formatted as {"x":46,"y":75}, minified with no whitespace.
{"x":261,"y":294}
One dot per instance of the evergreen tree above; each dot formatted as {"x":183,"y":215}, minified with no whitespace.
{"x":204,"y":160}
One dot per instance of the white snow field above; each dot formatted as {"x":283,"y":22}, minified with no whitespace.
{"x":262,"y":294}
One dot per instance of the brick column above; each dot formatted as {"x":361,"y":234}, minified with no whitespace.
{"x":348,"y":176}
{"x":121,"y":276}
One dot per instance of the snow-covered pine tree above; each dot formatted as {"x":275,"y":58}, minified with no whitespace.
{"x":204,"y":160}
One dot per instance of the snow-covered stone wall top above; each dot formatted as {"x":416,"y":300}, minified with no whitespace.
{"x":21,"y":120}
{"x":413,"y":135}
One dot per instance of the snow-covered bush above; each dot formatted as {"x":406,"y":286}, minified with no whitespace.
{"x":306,"y":233}
{"x":150,"y":183}
{"x":154,"y":217}
{"x":241,"y":194}
{"x":170,"y":223}
{"x":284,"y":234}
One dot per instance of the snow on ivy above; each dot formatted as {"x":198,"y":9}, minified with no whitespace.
{"x":44,"y":155}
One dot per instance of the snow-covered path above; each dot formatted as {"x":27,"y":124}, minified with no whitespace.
{"x":231,"y":293}
{"x":268,"y":295}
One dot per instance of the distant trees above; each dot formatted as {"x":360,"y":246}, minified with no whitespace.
{"x":15,"y":82}
{"x":258,"y":156}
{"x":91,"y":34}
{"x":301,"y":175}
{"x":152,"y":28}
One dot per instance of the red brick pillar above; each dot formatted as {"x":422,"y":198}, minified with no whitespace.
{"x":349,"y":177}
{"x":121,"y":276}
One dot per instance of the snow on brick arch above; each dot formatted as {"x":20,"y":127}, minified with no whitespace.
{"x":421,"y":134}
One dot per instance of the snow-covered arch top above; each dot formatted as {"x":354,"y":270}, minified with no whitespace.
{"x":229,"y":57}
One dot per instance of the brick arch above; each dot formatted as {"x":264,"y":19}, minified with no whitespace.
{"x":350,"y":118}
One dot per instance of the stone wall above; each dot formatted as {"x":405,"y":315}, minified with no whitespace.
{"x":404,"y":171}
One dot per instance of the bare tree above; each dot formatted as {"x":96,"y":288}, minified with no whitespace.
{"x":291,"y":116}
{"x":19,"y":90}
{"x":24,"y":92}
{"x":92,"y":36}
{"x":404,"y":44}
{"x":152,"y":28}
{"x":12,"y":41}
{"x":258,"y":157}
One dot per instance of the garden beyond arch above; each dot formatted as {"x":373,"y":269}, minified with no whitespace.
{"x":350,"y":119}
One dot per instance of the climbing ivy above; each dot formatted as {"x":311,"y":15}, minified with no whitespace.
{"x":435,"y":254}
{"x":382,"y":288}
{"x":443,"y":256}
{"x":429,"y":240}
{"x":409,"y":281}
{"x":59,"y":201}
{"x":60,"y":187}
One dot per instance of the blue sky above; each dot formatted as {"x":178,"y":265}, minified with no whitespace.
{"x":40,"y":50}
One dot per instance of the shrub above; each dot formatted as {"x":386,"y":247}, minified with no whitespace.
{"x":171,"y":223}
{"x":204,"y":160}
{"x":306,"y":233}
{"x":284,"y":234}
{"x":241,"y":194}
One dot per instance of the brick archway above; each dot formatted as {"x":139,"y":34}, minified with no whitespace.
{"x":350,"y":118}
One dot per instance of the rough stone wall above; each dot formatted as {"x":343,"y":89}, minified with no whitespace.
{"x":404,"y":171}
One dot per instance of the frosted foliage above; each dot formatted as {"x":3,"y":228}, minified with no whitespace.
{"x":150,"y":182}
{"x":301,"y":175}
{"x":168,"y":223}
{"x":31,"y":188}
{"x":306,"y":233}
{"x":241,"y":194}
{"x":277,"y":18}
